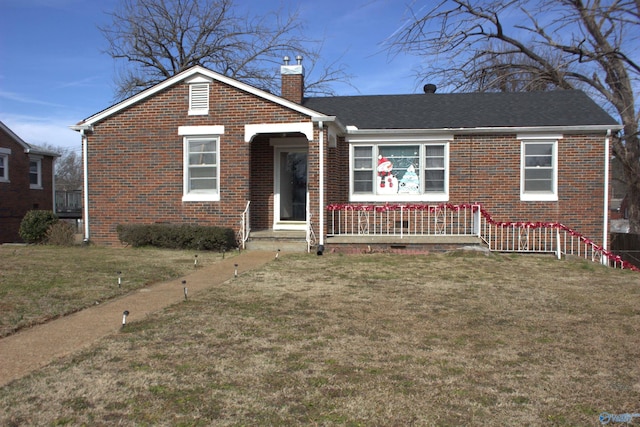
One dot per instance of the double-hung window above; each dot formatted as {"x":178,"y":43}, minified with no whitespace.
{"x":4,"y":164}
{"x":201,"y":180}
{"x":35,"y":172}
{"x":539,"y":168}
{"x":399,"y":171}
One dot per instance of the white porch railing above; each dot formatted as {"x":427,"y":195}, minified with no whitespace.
{"x":403,"y":220}
{"x":413,"y":220}
{"x":245,"y":228}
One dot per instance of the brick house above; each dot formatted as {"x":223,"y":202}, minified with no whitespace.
{"x":201,"y":147}
{"x":26,"y":182}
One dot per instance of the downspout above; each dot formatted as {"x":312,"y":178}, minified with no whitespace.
{"x":85,"y":164}
{"x":321,"y":187}
{"x":605,"y":237}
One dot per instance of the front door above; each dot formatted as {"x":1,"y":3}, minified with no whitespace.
{"x":290,"y":201}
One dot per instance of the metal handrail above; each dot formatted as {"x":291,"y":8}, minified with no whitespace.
{"x":311,"y":235}
{"x":245,"y":227}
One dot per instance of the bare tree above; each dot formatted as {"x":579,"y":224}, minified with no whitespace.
{"x":68,"y":167}
{"x":69,"y":171}
{"x":157,"y":39}
{"x":543,"y":44}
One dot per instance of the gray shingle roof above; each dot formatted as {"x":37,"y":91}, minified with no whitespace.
{"x":464,"y":110}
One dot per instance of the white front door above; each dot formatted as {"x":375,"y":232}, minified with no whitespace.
{"x":290,"y":192}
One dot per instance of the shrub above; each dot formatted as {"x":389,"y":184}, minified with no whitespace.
{"x":34,"y":225}
{"x":171,"y":236}
{"x":60,"y":234}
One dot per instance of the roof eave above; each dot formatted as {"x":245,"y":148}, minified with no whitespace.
{"x":487,"y":130}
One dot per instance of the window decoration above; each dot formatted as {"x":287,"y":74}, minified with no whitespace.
{"x":389,"y":172}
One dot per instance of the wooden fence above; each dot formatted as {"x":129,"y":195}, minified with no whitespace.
{"x":626,"y":245}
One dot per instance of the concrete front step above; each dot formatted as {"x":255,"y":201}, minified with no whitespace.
{"x":272,"y":240}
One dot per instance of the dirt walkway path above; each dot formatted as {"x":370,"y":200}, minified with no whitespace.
{"x":33,"y":348}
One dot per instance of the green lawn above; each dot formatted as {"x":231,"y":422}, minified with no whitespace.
{"x":444,"y":339}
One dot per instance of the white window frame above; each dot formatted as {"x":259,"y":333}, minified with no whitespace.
{"x":202,"y":133}
{"x":4,"y":155}
{"x":420,"y":141}
{"x":539,"y":196}
{"x":38,"y":161}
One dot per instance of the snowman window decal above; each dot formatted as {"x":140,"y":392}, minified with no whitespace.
{"x":387,"y":181}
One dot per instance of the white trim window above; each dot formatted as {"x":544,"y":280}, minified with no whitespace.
{"x":201,"y":168}
{"x":399,"y":171}
{"x":4,"y":164}
{"x":35,"y":172}
{"x":201,"y":162}
{"x":539,"y":168}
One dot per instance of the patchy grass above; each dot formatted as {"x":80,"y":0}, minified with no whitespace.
{"x":363,"y":340}
{"x":38,"y":283}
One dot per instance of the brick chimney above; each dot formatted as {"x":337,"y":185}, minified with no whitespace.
{"x":292,"y":80}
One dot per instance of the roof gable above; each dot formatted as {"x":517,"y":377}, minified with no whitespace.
{"x":195,"y":74}
{"x":28,"y":148}
{"x":465,"y":110}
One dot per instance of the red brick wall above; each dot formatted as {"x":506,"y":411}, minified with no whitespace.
{"x":486,"y":170}
{"x":136,"y":160}
{"x":262,"y":156}
{"x":135,"y":164}
{"x":293,"y":87}
{"x":337,"y":176}
{"x":16,"y":196}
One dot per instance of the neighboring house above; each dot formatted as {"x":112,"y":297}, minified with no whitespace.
{"x":198,"y":147}
{"x":26,"y":182}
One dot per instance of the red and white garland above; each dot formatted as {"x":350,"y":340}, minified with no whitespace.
{"x":467,"y":206}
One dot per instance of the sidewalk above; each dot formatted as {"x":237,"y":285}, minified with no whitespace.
{"x":33,"y":348}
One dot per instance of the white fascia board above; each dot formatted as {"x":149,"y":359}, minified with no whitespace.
{"x":306,"y":128}
{"x":486,"y":130}
{"x":538,"y":135}
{"x":206,"y":73}
{"x":402,"y":137}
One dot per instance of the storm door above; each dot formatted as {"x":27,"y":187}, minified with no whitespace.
{"x":290,"y":187}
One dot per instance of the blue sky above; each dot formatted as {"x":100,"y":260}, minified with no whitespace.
{"x":53,"y":72}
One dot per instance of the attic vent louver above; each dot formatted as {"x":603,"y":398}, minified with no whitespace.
{"x":198,"y":98}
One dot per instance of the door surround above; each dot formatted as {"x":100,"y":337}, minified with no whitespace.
{"x":282,"y":146}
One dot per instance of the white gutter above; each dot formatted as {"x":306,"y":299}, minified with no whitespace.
{"x":320,"y":120}
{"x":321,"y":186}
{"x":462,"y":131}
{"x":85,"y":169}
{"x":605,"y":228}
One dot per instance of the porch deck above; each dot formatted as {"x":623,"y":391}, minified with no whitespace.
{"x":424,"y":228}
{"x":295,"y":241}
